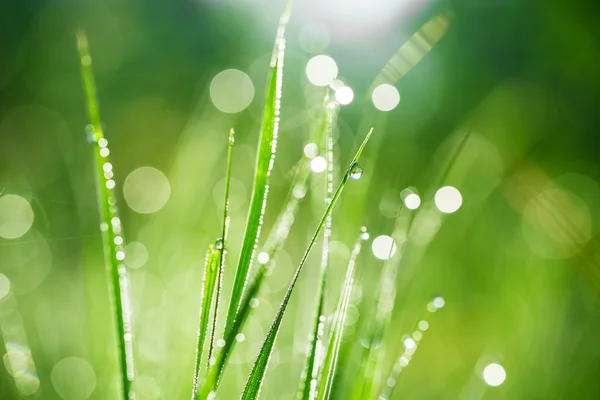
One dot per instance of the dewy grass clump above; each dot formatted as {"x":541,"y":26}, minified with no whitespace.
{"x":214,"y":347}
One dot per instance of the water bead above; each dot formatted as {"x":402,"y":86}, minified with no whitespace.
{"x":219,"y":244}
{"x":90,"y":134}
{"x":356,"y":171}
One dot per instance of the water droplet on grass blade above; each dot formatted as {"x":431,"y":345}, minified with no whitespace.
{"x":90,"y":134}
{"x":219,"y":244}
{"x":356,"y":171}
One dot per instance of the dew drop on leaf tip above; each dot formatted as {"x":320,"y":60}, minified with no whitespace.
{"x":356,"y":171}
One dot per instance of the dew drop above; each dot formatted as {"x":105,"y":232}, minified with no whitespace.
{"x":89,"y":134}
{"x":219,"y":244}
{"x":356,"y":171}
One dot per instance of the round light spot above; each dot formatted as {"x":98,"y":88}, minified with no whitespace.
{"x":385,"y":97}
{"x":318,"y":164}
{"x":220,"y":343}
{"x":136,"y":255}
{"x":439,"y":302}
{"x":146,"y":190}
{"x":27,"y":382}
{"x":409,"y":343}
{"x":344,"y":95}
{"x":240,"y":337}
{"x":412,"y":201}
{"x":423,"y":325}
{"x":4,"y":286}
{"x":231,"y":91}
{"x":73,"y":378}
{"x":383,"y":247}
{"x":321,"y":70}
{"x":299,"y":191}
{"x":448,"y":199}
{"x":16,"y":216}
{"x":494,"y":374}
{"x":311,"y":150}
{"x":263,"y":257}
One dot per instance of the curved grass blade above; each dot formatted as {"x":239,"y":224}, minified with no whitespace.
{"x":413,"y":51}
{"x":264,"y":163}
{"x":335,"y":341}
{"x":256,"y":377}
{"x":110,"y":226}
{"x":311,"y":370}
{"x":211,"y":272}
{"x":273,"y":244}
{"x":411,"y":343}
{"x":223,"y":249}
{"x":212,"y":282}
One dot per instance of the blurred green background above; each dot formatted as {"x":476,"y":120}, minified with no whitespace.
{"x":517,"y":264}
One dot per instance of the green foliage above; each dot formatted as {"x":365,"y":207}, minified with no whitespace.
{"x":256,"y":378}
{"x":110,"y":223}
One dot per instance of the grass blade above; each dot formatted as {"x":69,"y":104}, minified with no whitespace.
{"x":223,"y":250}
{"x":273,"y":244}
{"x":264,"y":163}
{"x":110,"y":226}
{"x":212,"y":282}
{"x":410,"y":346}
{"x":256,"y":377}
{"x":311,"y":369}
{"x":211,"y":272}
{"x":335,"y":341}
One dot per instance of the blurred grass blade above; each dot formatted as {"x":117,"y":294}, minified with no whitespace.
{"x":413,"y":51}
{"x":256,"y":377}
{"x":410,"y":345}
{"x":385,"y":302}
{"x":223,"y":244}
{"x":311,"y":370}
{"x":335,"y":340}
{"x":264,"y":163}
{"x":211,"y":271}
{"x":110,"y":224}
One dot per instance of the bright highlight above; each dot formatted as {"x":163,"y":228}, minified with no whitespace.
{"x":321,"y":70}
{"x":385,"y":97}
{"x":448,"y":199}
{"x":383,"y":247}
{"x":494,"y":374}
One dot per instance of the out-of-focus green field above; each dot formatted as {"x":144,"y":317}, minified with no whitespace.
{"x":517,"y":264}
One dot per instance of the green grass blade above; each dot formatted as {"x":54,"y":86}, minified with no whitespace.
{"x":272,"y":246}
{"x":411,"y":343}
{"x":335,"y":341}
{"x":256,"y":377}
{"x":264,"y":163}
{"x":223,"y":249}
{"x":214,"y":375}
{"x":110,"y":224}
{"x":311,"y":370}
{"x":211,"y":271}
